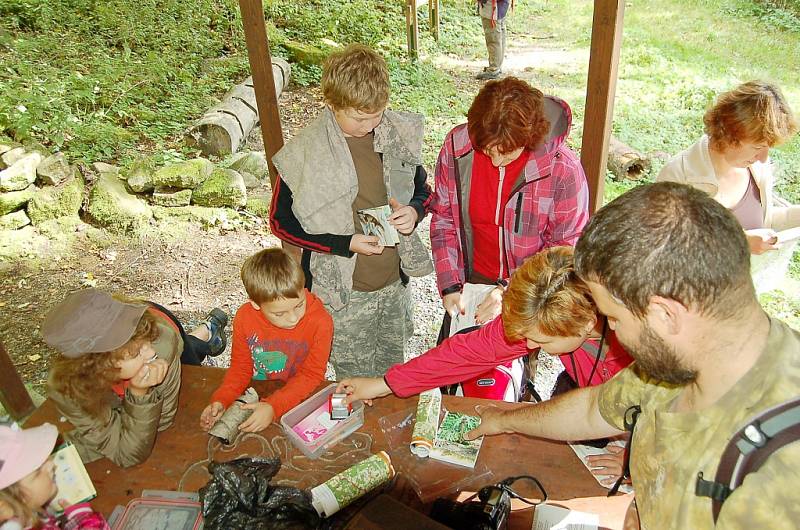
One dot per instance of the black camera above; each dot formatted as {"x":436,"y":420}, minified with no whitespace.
{"x":489,"y":512}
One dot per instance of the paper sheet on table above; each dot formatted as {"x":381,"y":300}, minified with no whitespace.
{"x":450,"y":445}
{"x":583,"y":451}
{"x":471,"y":296}
{"x":549,"y":517}
{"x":427,"y":421}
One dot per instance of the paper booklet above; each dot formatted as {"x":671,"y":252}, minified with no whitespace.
{"x":450,"y":445}
{"x":74,"y":484}
{"x":375,"y":222}
{"x":584,"y":451}
{"x":472,"y":295}
{"x":549,"y":517}
{"x":790,"y":234}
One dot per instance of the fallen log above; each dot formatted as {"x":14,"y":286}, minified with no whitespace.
{"x":624,"y":162}
{"x":223,"y":128}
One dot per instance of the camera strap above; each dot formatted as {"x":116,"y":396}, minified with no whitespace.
{"x":629,"y":420}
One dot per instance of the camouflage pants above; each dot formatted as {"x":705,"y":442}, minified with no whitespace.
{"x":370,"y":333}
{"x":495,"y":41}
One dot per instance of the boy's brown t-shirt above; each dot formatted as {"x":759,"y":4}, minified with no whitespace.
{"x":379,"y":270}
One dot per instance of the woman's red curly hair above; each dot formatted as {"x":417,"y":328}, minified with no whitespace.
{"x":507,"y":114}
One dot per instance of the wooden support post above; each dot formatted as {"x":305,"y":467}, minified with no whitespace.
{"x":600,"y":91}
{"x":412,"y":29}
{"x":255,"y":34}
{"x":433,"y":15}
{"x":13,"y":394}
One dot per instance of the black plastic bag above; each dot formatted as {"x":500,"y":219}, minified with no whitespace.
{"x":240,"y":497}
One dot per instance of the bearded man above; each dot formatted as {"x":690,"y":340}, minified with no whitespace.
{"x":670,"y":267}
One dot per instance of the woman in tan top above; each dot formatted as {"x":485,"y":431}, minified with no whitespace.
{"x":731,"y":161}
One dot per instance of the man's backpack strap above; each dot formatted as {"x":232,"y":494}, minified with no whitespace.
{"x":748,"y":449}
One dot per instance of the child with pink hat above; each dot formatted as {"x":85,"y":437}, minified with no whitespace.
{"x":27,"y":483}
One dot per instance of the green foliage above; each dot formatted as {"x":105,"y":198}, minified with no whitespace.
{"x":103,"y":79}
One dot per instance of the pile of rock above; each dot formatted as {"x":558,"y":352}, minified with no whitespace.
{"x":37,"y":189}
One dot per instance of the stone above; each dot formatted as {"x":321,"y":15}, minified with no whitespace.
{"x":21,"y":174}
{"x":102,"y":167}
{"x":11,"y":156}
{"x":225,"y":187}
{"x":54,"y":228}
{"x":250,"y":181}
{"x":171,"y":197}
{"x":14,"y":220}
{"x":184,"y":175}
{"x":259,"y":204}
{"x":305,"y":53}
{"x":140,"y":176}
{"x":253,"y":162}
{"x":14,"y":200}
{"x":54,"y":170}
{"x":6,"y":145}
{"x":111,"y":205}
{"x":196,"y":214}
{"x":52,"y":202}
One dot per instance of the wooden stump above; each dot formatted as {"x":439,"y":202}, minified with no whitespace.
{"x":224,"y":127}
{"x":625,"y":162}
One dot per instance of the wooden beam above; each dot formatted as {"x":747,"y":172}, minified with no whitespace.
{"x":13,"y":394}
{"x":255,"y":34}
{"x":600,"y":91}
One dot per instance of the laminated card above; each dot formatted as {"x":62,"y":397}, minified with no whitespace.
{"x":450,"y":445}
{"x":375,"y":222}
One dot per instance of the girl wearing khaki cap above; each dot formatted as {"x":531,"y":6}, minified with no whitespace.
{"x":118,"y":373}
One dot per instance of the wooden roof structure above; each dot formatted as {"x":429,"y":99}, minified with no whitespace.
{"x":600,"y":87}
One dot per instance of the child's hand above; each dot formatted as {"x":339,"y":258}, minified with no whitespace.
{"x":211,"y":414}
{"x":366,"y":245}
{"x":403,"y":218}
{"x":148,"y":376}
{"x":363,"y":388}
{"x":262,"y":416}
{"x":491,"y":306}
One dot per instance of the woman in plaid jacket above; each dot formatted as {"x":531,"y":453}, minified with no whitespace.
{"x":507,"y":186}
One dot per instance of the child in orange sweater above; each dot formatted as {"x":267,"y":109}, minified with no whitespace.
{"x":282,"y":332}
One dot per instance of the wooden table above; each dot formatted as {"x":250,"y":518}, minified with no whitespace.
{"x":181,"y":453}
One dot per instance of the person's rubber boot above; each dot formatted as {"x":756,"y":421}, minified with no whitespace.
{"x":486,"y":75}
{"x":216,"y":321}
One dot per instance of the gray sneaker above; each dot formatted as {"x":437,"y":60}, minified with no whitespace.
{"x":489,"y":74}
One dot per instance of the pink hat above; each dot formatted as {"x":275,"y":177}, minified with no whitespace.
{"x":91,"y":321}
{"x":24,"y":451}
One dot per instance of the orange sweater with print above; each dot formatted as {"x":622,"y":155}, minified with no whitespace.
{"x":263,"y":351}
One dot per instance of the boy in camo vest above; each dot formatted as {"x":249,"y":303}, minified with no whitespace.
{"x":356,"y":154}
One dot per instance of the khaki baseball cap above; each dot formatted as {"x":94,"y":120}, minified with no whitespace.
{"x":91,"y":321}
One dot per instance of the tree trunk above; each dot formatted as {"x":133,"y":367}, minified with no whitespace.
{"x":224,"y":127}
{"x":625,"y":162}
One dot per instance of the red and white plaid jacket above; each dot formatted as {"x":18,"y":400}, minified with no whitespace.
{"x":549,"y":204}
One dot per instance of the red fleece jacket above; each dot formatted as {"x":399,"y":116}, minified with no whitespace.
{"x":468,"y":355}
{"x":263,"y":351}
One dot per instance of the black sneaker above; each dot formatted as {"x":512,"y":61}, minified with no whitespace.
{"x":216,"y":321}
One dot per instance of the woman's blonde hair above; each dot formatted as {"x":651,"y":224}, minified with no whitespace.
{"x":83,"y":379}
{"x":355,"y":78}
{"x":755,"y":111}
{"x":13,"y":497}
{"x":545,"y":293}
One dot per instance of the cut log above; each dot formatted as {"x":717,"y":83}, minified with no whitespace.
{"x":624,"y":162}
{"x":224,"y":127}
